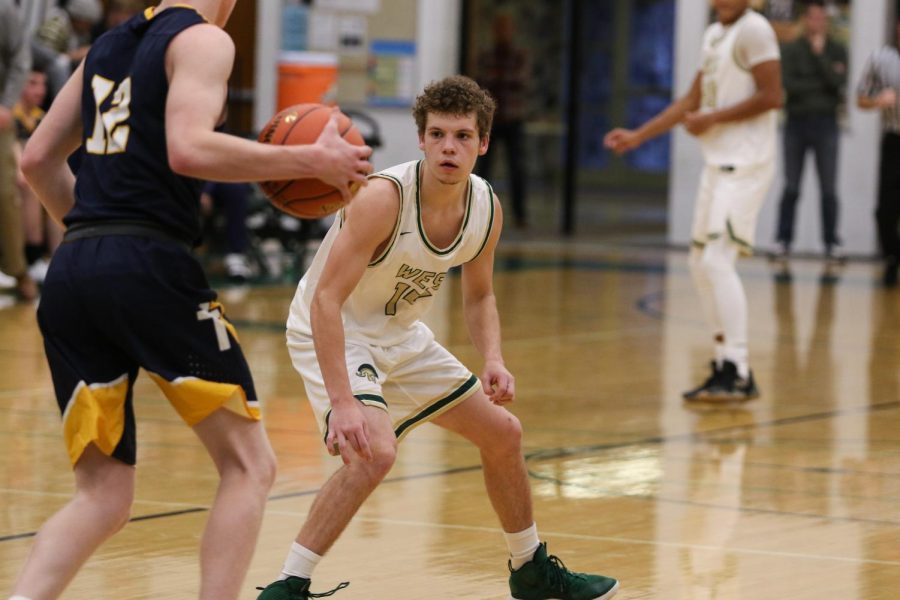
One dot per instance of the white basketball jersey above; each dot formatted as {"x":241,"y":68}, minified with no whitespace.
{"x":729,"y":52}
{"x":399,"y":285}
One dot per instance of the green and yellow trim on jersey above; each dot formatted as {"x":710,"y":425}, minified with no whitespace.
{"x":396,"y":233}
{"x":95,"y":414}
{"x":422,"y":234}
{"x":151,"y":11}
{"x":490,"y":227}
{"x":195,"y":399}
{"x":435,"y":407}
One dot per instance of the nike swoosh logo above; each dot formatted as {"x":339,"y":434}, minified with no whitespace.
{"x":405,"y":232}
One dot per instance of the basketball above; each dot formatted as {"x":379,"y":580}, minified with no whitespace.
{"x":307,"y":198}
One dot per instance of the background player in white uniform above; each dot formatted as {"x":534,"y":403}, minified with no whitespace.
{"x":730,"y":108}
{"x":372,"y":369}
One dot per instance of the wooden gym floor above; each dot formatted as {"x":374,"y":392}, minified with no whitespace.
{"x":795,"y":495}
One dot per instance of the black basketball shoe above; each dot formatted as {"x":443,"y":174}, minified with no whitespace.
{"x":700,"y":392}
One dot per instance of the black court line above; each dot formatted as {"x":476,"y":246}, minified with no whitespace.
{"x":555,"y":453}
{"x":696,"y":435}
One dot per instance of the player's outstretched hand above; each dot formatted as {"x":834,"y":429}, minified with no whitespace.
{"x":621,"y":140}
{"x":345,"y":165}
{"x":498,"y":383}
{"x":348,"y":431}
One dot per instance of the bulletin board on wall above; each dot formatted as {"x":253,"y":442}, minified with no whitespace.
{"x":374,"y":42}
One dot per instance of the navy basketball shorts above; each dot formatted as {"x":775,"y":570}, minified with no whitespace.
{"x":114,"y":304}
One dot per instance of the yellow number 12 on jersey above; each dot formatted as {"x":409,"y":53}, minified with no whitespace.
{"x":110,"y":134}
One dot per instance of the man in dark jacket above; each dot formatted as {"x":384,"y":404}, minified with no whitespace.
{"x":814,"y":72}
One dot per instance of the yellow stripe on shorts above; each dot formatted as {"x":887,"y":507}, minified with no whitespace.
{"x":95,"y":414}
{"x":195,"y":399}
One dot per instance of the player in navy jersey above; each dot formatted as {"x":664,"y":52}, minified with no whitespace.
{"x":124,"y":292}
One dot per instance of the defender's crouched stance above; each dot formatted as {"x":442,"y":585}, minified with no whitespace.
{"x":373,"y":370}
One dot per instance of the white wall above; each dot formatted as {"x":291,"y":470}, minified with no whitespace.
{"x":437,"y":52}
{"x":268,"y":45}
{"x":859,"y":146}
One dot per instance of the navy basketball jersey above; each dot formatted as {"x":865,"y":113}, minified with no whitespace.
{"x":125,"y":173}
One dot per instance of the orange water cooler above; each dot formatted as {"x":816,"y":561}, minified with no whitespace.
{"x":306,"y":77}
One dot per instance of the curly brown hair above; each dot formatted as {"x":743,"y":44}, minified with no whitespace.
{"x":457,"y":95}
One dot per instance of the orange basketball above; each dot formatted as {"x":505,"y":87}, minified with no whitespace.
{"x":307,"y":198}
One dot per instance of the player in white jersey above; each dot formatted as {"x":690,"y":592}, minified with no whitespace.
{"x":730,"y":108}
{"x":373,"y":371}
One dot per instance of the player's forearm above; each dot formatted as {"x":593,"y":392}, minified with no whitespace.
{"x":756,"y":104}
{"x":328,"y":339}
{"x":665,"y":120}
{"x":218,"y":156}
{"x":53,"y":185}
{"x":867,"y":102}
{"x":483,"y":322}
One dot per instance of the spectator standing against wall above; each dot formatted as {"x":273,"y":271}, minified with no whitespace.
{"x":505,"y":71}
{"x":878,"y":89}
{"x":814,"y":75}
{"x":15,"y":63}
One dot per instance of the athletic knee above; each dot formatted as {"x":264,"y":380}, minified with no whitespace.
{"x":112,"y":505}
{"x":506,"y":437}
{"x":383,"y":457}
{"x":717,"y":259}
{"x":256,"y":467}
{"x":266,"y":468}
{"x":695,"y":262}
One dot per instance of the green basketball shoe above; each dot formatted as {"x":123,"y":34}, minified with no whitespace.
{"x":547,"y":578}
{"x":293,"y":588}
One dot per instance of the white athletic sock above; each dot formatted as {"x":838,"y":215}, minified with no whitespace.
{"x":18,"y":598}
{"x":300,"y":562}
{"x":522,"y":545}
{"x":719,"y":349}
{"x":738,"y":355}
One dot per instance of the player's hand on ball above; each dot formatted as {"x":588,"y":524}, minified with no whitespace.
{"x":346,"y":165}
{"x":341,"y":160}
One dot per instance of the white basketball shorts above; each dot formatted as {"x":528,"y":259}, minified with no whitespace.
{"x":414,"y":381}
{"x":729,"y":201}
